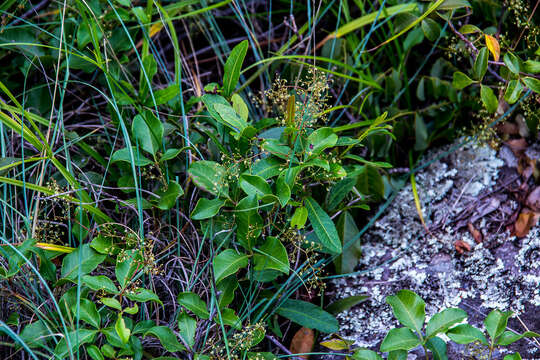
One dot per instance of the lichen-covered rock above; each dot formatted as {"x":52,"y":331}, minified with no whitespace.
{"x":398,"y":253}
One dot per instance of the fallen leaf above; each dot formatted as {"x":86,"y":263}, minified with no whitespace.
{"x":493,"y":46}
{"x":462,"y":246}
{"x":525,"y":221}
{"x":517,"y":146}
{"x":302,"y":342}
{"x":533,"y":199}
{"x":476,"y":234}
{"x":337,"y":344}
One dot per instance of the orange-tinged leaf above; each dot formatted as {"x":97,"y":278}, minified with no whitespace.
{"x":302,"y":342}
{"x":526,"y":220}
{"x":493,"y":46}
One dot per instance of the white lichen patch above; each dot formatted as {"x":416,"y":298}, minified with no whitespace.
{"x":501,"y":272}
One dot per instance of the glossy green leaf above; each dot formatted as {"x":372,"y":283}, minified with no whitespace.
{"x":164,"y":95}
{"x":347,"y":231}
{"x":397,"y":355}
{"x":209,"y":176}
{"x":100,"y":282}
{"x":489,"y":99}
{"x":230,"y":117}
{"x":166,"y":338}
{"x":364,"y":354}
{"x":170,"y":154}
{"x":144,"y":137}
{"x":308,"y":315}
{"x":323,"y":226}
{"x":481,"y":64}
{"x":532,"y":66}
{"x":370,"y":182}
{"x":76,"y":339}
{"x":229,"y":318}
{"x":143,"y":295}
{"x":319,"y":140}
{"x":124,"y":155}
{"x":514,"y":356}
{"x":299,"y":218}
{"x":431,"y":29}
{"x":167,"y":198}
{"x":496,"y":321}
{"x":272,"y":255}
{"x":532,"y":83}
{"x":438,"y":348}
{"x":82,"y":260}
{"x":345,"y":304}
{"x":126,"y":266}
{"x":122,"y":330}
{"x":240,"y":106}
{"x":254,"y":185}
{"x":399,"y":339}
{"x":509,"y":337}
{"x":513,"y":91}
{"x":94,"y":353}
{"x":466,"y":334}
{"x":112,"y":303}
{"x":87,"y":312}
{"x":454,"y":4}
{"x":206,"y":208}
{"x":187,"y":327}
{"x":338,"y":192}
{"x":249,"y":221}
{"x":512,"y":62}
{"x":443,"y":320}
{"x":228,"y":262}
{"x":193,"y":303}
{"x":408,"y":308}
{"x":232,"y":68}
{"x":227,"y":288}
{"x":461,"y":81}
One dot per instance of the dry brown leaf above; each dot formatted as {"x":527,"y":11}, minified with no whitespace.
{"x":517,"y":146}
{"x":302,"y":342}
{"x":526,"y":220}
{"x":533,"y":199}
{"x":462,"y":246}
{"x":476,"y":234}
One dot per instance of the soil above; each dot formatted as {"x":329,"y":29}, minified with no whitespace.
{"x":468,"y":258}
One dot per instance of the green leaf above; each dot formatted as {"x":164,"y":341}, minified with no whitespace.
{"x":532,"y":66}
{"x":253,"y":184}
{"x":481,"y":64}
{"x":82,"y":260}
{"x":496,"y":321}
{"x":443,"y":320}
{"x":345,"y":304}
{"x":124,"y":155}
{"x":165,"y":95}
{"x":112,"y":303}
{"x":338,"y":192}
{"x":261,"y":356}
{"x":370,"y":182}
{"x":230,"y":117}
{"x":34,"y":334}
{"x":319,"y":140}
{"x":94,"y":353}
{"x":272,"y":255}
{"x":228,"y":317}
{"x":283,"y":190}
{"x":461,"y":81}
{"x":249,"y":221}
{"x":206,"y":209}
{"x":409,"y":309}
{"x":166,"y":337}
{"x":76,"y":339}
{"x":100,"y":282}
{"x":87,"y":312}
{"x":399,"y":339}
{"x":167,"y":198}
{"x":347,"y":230}
{"x":364,"y":354}
{"x":514,"y":356}
{"x":397,"y":355}
{"x":232,"y":68}
{"x":240,"y":106}
{"x":323,"y":226}
{"x":193,"y":303}
{"x":532,"y":83}
{"x":454,"y":4}
{"x":126,"y":265}
{"x":489,"y":99}
{"x":299,"y":218}
{"x":187,"y":327}
{"x":438,"y":348}
{"x":512,"y":62}
{"x":308,"y":315}
{"x":431,"y":29}
{"x":143,"y":295}
{"x":227,"y":287}
{"x":132,"y":310}
{"x":469,"y":29}
{"x":122,"y":330}
{"x":466,"y":334}
{"x":513,"y":91}
{"x":170,"y":154}
{"x":227,"y":263}
{"x":421,"y":133}
{"x":509,"y":337}
{"x":141,"y":132}
{"x":209,"y":176}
